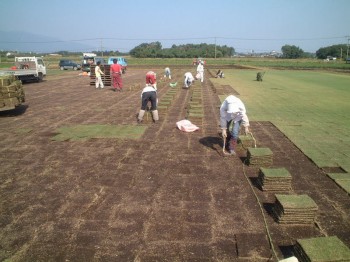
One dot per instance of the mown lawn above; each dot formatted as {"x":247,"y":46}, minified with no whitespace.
{"x":311,"y":108}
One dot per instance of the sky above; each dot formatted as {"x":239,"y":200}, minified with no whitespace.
{"x":246,"y":25}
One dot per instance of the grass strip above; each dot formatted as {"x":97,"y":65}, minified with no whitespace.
{"x":86,"y":132}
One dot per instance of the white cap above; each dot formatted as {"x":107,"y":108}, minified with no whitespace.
{"x":232,"y":108}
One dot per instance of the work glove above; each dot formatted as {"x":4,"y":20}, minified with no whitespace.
{"x":246,"y":130}
{"x":224,"y":132}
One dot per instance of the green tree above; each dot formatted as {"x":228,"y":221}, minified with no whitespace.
{"x":292,"y":51}
{"x":333,"y":50}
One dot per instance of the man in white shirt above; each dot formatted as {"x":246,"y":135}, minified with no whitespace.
{"x":98,"y":73}
{"x":232,"y":115}
{"x":188,"y":79}
{"x":200,"y":71}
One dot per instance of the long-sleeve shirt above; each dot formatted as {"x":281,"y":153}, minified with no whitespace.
{"x":188,"y":77}
{"x":116,"y":68}
{"x":200,"y":68}
{"x":98,"y":71}
{"x":233,"y":109}
{"x":148,"y":89}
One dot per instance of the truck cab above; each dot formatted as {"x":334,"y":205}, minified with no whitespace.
{"x":121,"y":61}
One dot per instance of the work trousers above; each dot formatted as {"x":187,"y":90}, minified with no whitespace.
{"x":149,"y":96}
{"x":117,"y":81}
{"x":99,"y":82}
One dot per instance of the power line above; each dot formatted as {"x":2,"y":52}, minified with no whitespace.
{"x":174,"y":39}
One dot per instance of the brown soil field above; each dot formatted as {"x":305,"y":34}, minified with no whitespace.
{"x":169,"y":196}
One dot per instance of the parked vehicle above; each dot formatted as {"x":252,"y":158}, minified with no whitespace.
{"x":27,"y":68}
{"x":91,"y":59}
{"x":68,"y":64}
{"x":121,"y":60}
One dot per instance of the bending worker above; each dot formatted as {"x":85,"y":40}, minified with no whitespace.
{"x":167,"y":73}
{"x":188,"y":79}
{"x":151,"y":79}
{"x":149,"y":93}
{"x":232,"y":115}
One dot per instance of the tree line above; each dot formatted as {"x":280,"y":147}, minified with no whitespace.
{"x":339,"y":51}
{"x":155,"y":50}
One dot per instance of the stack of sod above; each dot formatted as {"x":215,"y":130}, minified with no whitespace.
{"x":245,"y":141}
{"x":294,"y":209}
{"x":342,"y":180}
{"x":274,"y":179}
{"x":326,"y":249}
{"x":106,"y":78}
{"x":261,"y":157}
{"x":11,"y":92}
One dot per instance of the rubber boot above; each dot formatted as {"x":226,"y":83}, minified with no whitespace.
{"x":232,"y":146}
{"x":155,"y":116}
{"x":140,"y":116}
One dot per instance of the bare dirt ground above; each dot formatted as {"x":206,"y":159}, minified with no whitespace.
{"x":170,"y":196}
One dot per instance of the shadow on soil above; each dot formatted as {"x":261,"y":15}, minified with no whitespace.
{"x":14,"y":112}
{"x":212,"y":142}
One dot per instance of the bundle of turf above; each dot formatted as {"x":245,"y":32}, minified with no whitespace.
{"x":326,"y":249}
{"x":106,"y":78}
{"x":294,"y":209}
{"x":11,"y":92}
{"x":261,"y":157}
{"x":245,"y":141}
{"x":274,"y":179}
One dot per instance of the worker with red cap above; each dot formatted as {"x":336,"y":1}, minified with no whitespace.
{"x":151,"y":79}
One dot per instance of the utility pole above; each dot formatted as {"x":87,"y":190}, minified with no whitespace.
{"x":101,"y":47}
{"x":215,"y":48}
{"x":347,"y":50}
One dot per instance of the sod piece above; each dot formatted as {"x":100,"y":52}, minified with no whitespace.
{"x":296,"y":201}
{"x":339,"y":176}
{"x":245,"y":141}
{"x":85,"y":132}
{"x":294,"y":209}
{"x":262,"y":157}
{"x":325,"y":249}
{"x":197,"y":115}
{"x":274,"y":179}
{"x":344,"y":184}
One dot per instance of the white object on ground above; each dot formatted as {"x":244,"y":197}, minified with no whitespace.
{"x":290,"y":259}
{"x":186,"y":126}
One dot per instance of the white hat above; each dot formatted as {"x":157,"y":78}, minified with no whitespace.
{"x":232,"y":108}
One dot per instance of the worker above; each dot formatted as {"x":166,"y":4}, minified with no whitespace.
{"x":220,"y":74}
{"x":188,"y":79}
{"x":149,"y":93}
{"x":151,"y":79}
{"x":98,"y":73}
{"x":200,"y":71}
{"x":116,"y":74}
{"x":232,"y":115}
{"x":167,"y":73}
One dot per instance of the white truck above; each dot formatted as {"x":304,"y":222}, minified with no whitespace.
{"x":27,"y":69}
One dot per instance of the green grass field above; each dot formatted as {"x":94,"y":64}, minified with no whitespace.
{"x":311,"y":108}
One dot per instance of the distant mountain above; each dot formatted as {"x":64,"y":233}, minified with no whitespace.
{"x":28,"y":42}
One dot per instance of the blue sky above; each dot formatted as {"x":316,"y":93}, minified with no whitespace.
{"x":246,"y":25}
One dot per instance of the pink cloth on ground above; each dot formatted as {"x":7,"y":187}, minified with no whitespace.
{"x":186,"y":126}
